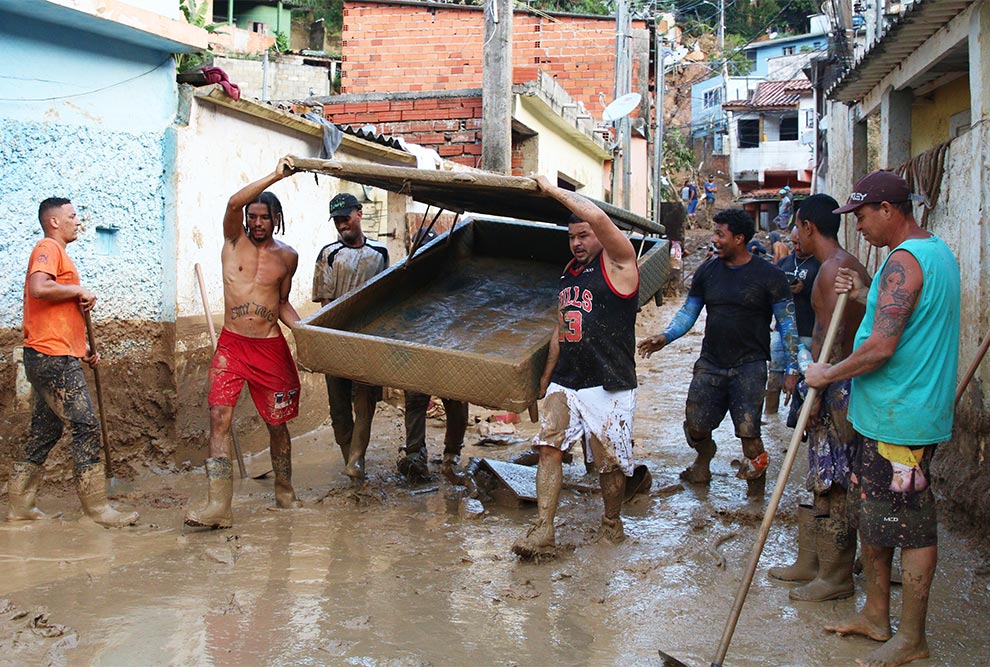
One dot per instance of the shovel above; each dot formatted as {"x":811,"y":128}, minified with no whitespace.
{"x":114,"y":486}
{"x":778,"y":491}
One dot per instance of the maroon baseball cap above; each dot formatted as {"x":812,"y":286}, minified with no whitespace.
{"x":879,"y":186}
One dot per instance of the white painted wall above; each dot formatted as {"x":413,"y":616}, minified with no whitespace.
{"x":219,"y":152}
{"x":558,"y":153}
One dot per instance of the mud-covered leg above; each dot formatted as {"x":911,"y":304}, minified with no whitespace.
{"x":280,"y":446}
{"x":539,"y":539}
{"x":613,"y":484}
{"x":754,"y":466}
{"x":413,"y":463}
{"x":910,"y":642}
{"x":453,"y":441}
{"x":701,"y":442}
{"x":341,"y":414}
{"x":365,"y":400}
{"x":873,"y":620}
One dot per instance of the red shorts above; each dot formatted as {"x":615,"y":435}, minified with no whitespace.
{"x":266,"y":365}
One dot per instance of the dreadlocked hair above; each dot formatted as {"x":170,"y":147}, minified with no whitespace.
{"x":274,"y":211}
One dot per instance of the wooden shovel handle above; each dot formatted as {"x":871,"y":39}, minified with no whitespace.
{"x":99,"y":396}
{"x":778,"y":490}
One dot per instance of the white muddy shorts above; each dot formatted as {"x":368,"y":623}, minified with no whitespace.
{"x":601,"y":420}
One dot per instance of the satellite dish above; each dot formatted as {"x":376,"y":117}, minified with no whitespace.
{"x":621,"y":107}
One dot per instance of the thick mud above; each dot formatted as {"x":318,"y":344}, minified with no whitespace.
{"x":397,"y":575}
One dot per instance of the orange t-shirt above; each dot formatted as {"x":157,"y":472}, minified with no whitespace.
{"x":55,"y":328}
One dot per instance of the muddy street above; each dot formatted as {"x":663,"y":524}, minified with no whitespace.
{"x":402,"y":576}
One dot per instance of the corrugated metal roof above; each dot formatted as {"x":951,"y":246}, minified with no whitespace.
{"x":909,"y":31}
{"x":774,"y":95}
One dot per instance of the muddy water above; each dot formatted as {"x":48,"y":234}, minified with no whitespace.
{"x":477,"y":307}
{"x":399,"y":579}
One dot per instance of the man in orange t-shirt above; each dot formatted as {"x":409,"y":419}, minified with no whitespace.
{"x":54,"y":342}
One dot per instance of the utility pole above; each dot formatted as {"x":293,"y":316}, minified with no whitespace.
{"x":623,"y":73}
{"x":658,"y":134}
{"x":496,"y":98}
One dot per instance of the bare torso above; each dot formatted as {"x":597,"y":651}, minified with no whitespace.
{"x":823,"y":298}
{"x":256,"y":279}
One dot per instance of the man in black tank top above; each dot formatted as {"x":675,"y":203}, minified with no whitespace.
{"x":741,"y":296}
{"x":590,"y":377}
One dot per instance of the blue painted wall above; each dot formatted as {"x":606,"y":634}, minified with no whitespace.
{"x":775,"y":48}
{"x":87,"y":117}
{"x":701,"y":118}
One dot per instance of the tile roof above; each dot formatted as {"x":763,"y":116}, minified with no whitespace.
{"x":774,"y":95}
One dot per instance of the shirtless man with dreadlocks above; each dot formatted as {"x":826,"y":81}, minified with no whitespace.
{"x":257,"y":276}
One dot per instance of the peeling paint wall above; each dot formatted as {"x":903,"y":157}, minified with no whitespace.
{"x":89,"y":118}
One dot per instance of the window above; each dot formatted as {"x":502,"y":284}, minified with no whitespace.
{"x":712,"y":98}
{"x":788,"y":50}
{"x":789,"y":128}
{"x":749,"y":133}
{"x":809,"y":118}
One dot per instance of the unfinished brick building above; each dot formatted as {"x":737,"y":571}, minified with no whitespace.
{"x":414,"y":69}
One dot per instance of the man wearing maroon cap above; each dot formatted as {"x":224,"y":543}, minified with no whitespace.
{"x":903,"y":369}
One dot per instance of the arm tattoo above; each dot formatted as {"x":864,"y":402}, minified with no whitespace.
{"x":895,"y":301}
{"x":684,"y":319}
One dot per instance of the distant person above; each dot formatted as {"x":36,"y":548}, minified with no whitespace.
{"x":783,"y":219}
{"x":344,"y":265}
{"x":257,"y":279}
{"x":590,"y":375}
{"x":741,"y":296}
{"x":692,"y":200}
{"x":686,"y":194}
{"x":902,"y":402}
{"x":826,"y":537}
{"x":711,"y":189}
{"x":54,"y":343}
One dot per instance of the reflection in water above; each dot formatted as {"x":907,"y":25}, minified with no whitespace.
{"x":481,"y":305}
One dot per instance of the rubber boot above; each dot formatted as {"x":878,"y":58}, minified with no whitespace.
{"x":539,"y":539}
{"x":805,"y":568}
{"x":613,"y":484}
{"x":355,"y":463}
{"x":698,"y":472}
{"x":217,"y":512}
{"x":448,"y":468}
{"x":22,"y":487}
{"x":92,"y":487}
{"x":414,"y":466}
{"x":836,"y":554}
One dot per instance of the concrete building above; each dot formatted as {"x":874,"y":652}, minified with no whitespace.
{"x":927,"y":80}
{"x":771,"y":144}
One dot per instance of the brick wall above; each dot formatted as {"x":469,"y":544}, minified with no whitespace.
{"x":402,"y":48}
{"x":449,"y":124}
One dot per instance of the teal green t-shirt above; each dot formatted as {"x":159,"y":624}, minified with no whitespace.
{"x":910,"y":399}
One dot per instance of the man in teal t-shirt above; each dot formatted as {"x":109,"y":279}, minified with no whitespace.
{"x":903,"y":369}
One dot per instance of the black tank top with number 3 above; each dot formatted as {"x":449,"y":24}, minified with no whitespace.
{"x":597,"y":330}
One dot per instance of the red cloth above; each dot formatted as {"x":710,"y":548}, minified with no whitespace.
{"x":266,"y":365}
{"x":217,"y":75}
